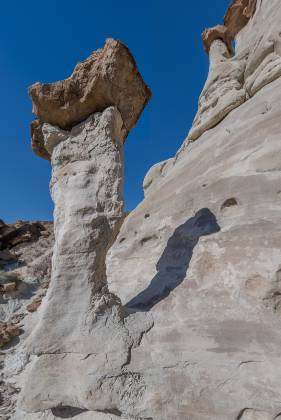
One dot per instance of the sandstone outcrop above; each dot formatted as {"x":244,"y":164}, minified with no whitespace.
{"x":109,"y":77}
{"x":214,"y":294}
{"x":8,"y":330}
{"x":81,"y":320}
{"x":224,"y":89}
{"x":209,"y":233}
{"x":180,"y":318}
{"x":84,"y":336}
{"x":238,"y":15}
{"x":234,"y":79}
{"x":25,"y":265}
{"x":14,"y":234}
{"x":219,"y":32}
{"x":37,"y":140}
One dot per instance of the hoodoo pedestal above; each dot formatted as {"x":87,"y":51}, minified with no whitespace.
{"x":83,"y":331}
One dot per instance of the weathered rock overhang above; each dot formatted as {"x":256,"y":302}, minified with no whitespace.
{"x":108,"y":77}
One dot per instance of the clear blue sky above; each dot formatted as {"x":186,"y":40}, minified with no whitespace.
{"x":43,"y":40}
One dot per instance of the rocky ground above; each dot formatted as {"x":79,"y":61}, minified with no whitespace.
{"x":25,"y":267}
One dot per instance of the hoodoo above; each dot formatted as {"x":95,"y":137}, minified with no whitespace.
{"x":172,"y":312}
{"x":83,"y":330}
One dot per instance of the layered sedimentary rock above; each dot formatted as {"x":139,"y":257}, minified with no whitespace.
{"x":224,"y":89}
{"x":238,"y":15}
{"x":208,"y":231}
{"x":108,"y":77}
{"x":233,"y":79}
{"x":83,"y":337}
{"x":83,"y":340}
{"x":219,"y":32}
{"x":196,"y":266}
{"x":25,"y":266}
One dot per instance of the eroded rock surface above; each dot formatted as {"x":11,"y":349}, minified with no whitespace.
{"x":232,"y":79}
{"x":223,"y":91}
{"x":238,"y":15}
{"x":108,"y":77}
{"x":81,"y":346}
{"x":83,"y":337}
{"x":83,"y":327}
{"x":196,"y":266}
{"x":25,"y":267}
{"x":209,"y":233}
{"x":219,"y":32}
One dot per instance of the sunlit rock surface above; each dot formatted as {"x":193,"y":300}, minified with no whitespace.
{"x":83,"y":340}
{"x":202,"y":253}
{"x":81,"y":344}
{"x":209,"y":233}
{"x":108,"y":77}
{"x":233,"y":79}
{"x":238,"y":15}
{"x":196,"y":267}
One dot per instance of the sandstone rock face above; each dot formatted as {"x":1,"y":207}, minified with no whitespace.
{"x":37,"y":140}
{"x":208,"y":231}
{"x":83,"y":337}
{"x":218,"y":32}
{"x":250,"y":414}
{"x":108,"y":77}
{"x":233,"y":79}
{"x":223,"y":91}
{"x":202,"y":255}
{"x":180,"y":320}
{"x":238,"y":15}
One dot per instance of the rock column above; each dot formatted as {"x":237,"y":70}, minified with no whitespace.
{"x":83,"y":340}
{"x":87,"y":189}
{"x":223,"y":90}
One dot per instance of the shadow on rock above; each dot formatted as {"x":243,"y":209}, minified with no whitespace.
{"x":67,"y":412}
{"x":175,"y":260}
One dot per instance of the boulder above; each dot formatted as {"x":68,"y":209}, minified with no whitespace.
{"x":108,"y":77}
{"x":217,"y":32}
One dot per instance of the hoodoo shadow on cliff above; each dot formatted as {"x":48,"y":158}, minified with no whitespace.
{"x":175,"y":260}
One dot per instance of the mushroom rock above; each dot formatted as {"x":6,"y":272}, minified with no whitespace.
{"x":218,"y":32}
{"x":223,"y":90}
{"x":108,"y":77}
{"x":83,"y":339}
